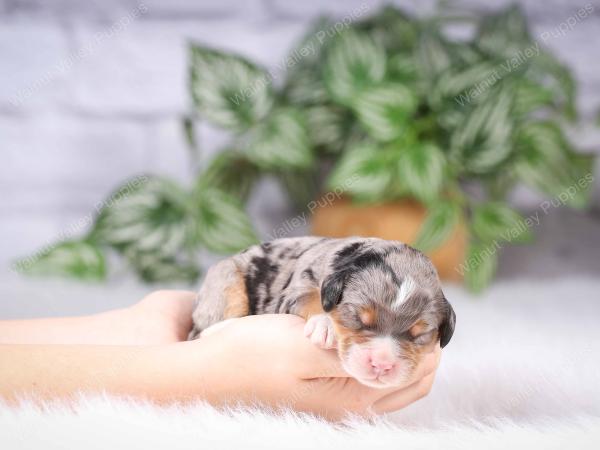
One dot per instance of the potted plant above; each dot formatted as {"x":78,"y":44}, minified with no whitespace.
{"x":419,"y":136}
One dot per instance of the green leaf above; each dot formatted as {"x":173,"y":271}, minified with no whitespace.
{"x":363,"y":172}
{"x":505,"y":33}
{"x":532,"y":96}
{"x":403,"y":68}
{"x":327,"y":127}
{"x":305,"y":86}
{"x":495,"y":220}
{"x":155,"y":269}
{"x":309,"y":50}
{"x":480,"y":266}
{"x":77,"y":259}
{"x":421,"y":168}
{"x":231,"y":172}
{"x":385,"y":110}
{"x":354,"y":62}
{"x":222,"y":224}
{"x":582,"y":168}
{"x":153,"y":217}
{"x":228,"y":90}
{"x":302,"y":187}
{"x":441,"y":219}
{"x":281,"y":142}
{"x":464,"y":85}
{"x":432,"y":53}
{"x":558,"y":78}
{"x":483,"y":141}
{"x":393,"y":28}
{"x":547,"y":162}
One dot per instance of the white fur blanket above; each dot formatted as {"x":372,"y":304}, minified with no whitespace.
{"x":522,"y":371}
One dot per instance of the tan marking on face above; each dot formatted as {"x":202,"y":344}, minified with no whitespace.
{"x":418,"y":328}
{"x":346,"y":336}
{"x":236,"y":299}
{"x":412,"y":353}
{"x":368,"y":316}
{"x":310,"y":305}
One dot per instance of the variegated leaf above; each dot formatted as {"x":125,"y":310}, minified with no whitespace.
{"x":363,"y":172}
{"x":505,"y":33}
{"x":465,"y":85}
{"x":421,"y":168}
{"x":480,"y":266}
{"x":385,"y":110}
{"x":558,"y":78}
{"x":396,"y":30}
{"x":354,"y":62}
{"x":77,"y":259}
{"x":531,"y":97}
{"x":547,"y":162}
{"x":281,"y":142}
{"x":155,"y":218}
{"x":223,"y":226}
{"x":496,"y":221}
{"x":327,"y":127}
{"x":230,"y":171}
{"x":484,"y":139}
{"x":442,"y":218}
{"x":433,"y":57}
{"x":228,"y":90}
{"x":157,"y":269}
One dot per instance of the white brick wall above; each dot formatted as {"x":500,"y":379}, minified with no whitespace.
{"x":31,"y":52}
{"x":100,"y":89}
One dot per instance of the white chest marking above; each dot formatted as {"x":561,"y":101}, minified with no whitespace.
{"x":406,"y":289}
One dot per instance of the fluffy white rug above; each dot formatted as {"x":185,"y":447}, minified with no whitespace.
{"x":522,"y":371}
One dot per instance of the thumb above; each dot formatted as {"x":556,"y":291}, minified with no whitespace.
{"x":313,"y":361}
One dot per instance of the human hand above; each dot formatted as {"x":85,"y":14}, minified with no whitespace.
{"x":267,"y":359}
{"x":162,"y":317}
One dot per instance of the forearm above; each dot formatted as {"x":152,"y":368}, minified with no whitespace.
{"x":91,"y":329}
{"x":161,"y":317}
{"x":159,"y":373}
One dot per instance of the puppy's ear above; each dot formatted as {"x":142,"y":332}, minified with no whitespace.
{"x":446,"y":328}
{"x":332,"y":290}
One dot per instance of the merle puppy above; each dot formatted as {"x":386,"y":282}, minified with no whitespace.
{"x":379,"y":302}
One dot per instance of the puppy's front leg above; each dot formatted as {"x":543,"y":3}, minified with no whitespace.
{"x":319,"y":326}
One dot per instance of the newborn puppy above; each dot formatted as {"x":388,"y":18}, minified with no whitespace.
{"x":379,"y":302}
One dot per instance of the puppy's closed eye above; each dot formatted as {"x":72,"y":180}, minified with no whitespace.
{"x":419,"y":327}
{"x":424,"y":338}
{"x":421,"y":333}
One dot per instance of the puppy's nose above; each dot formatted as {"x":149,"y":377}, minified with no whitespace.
{"x":381,"y":367}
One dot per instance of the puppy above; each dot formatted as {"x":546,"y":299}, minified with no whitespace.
{"x":379,"y":302}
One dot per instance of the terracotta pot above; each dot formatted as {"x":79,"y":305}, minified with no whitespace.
{"x":398,"y":221}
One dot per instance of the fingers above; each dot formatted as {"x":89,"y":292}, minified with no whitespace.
{"x":313,"y":361}
{"x":217,"y":327}
{"x":428,"y":365}
{"x":426,"y":368}
{"x":419,"y":385}
{"x":404,"y":397}
{"x":157,"y":299}
{"x":316,"y":362}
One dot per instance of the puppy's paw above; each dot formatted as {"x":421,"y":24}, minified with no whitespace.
{"x":319,"y":329}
